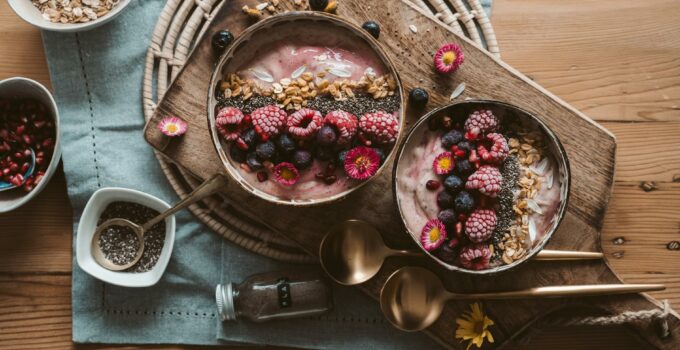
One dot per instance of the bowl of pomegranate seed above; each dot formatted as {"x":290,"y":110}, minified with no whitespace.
{"x":481,"y":186}
{"x":29,"y":140}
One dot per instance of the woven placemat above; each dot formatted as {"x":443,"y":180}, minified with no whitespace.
{"x":180,"y":25}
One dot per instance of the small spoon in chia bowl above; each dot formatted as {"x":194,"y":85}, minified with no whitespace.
{"x":8,"y":185}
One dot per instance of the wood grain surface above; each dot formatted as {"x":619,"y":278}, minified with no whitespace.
{"x":595,"y":41}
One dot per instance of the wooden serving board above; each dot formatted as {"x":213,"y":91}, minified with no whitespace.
{"x":590,"y":148}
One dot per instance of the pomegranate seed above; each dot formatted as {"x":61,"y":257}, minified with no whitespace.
{"x":432,"y":185}
{"x":6,"y":171}
{"x":27,"y":139}
{"x":14,"y":167}
{"x":39,"y":124}
{"x":262,"y":176}
{"x":48,"y":143}
{"x":20,"y":129}
{"x":27,"y":152}
{"x":24,"y":167}
{"x":459,"y":229}
{"x":39,"y":160}
{"x":19,"y":155}
{"x":17,"y":180}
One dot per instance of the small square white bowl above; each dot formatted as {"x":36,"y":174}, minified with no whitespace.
{"x":88,"y":223}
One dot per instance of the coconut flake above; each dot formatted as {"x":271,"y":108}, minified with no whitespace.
{"x":549,"y":180}
{"x":541,"y":167}
{"x":457,"y":91}
{"x":340,"y":72}
{"x":531,"y":204}
{"x":369,"y":71}
{"x":262,"y":6}
{"x":262,"y":75}
{"x":298,"y":72}
{"x":533,"y":231}
{"x":413,"y":28}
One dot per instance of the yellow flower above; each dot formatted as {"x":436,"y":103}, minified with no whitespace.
{"x":474,"y":326}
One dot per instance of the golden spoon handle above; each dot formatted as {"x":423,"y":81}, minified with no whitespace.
{"x":547,"y":254}
{"x":563,"y":291}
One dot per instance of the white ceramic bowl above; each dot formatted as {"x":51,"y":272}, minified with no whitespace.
{"x":26,"y":88}
{"x":88,"y":223}
{"x":31,"y":14}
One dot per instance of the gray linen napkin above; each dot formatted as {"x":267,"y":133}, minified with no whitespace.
{"x":97,"y":79}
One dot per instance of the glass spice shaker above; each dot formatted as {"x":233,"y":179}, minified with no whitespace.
{"x":275,"y":295}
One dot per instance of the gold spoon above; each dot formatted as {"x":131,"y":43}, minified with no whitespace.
{"x":413,"y":297}
{"x":208,"y":187}
{"x":354,"y":251}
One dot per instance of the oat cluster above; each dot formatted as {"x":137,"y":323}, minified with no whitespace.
{"x":74,"y":11}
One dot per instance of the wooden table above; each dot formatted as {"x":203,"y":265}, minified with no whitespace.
{"x":617,"y":61}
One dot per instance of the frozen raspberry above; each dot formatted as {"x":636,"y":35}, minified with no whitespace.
{"x":475,"y":257}
{"x":380,"y":127}
{"x":497,"y":152}
{"x":228,"y":123}
{"x":433,"y":235}
{"x":487,"y":180}
{"x":269,"y":121}
{"x":304,"y":123}
{"x":480,"y":225}
{"x":345,"y":124}
{"x":480,"y":123}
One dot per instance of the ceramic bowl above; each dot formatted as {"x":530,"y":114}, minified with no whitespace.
{"x":511,"y":114}
{"x":27,"y":88}
{"x":249,"y":43}
{"x":31,"y":14}
{"x":88,"y":223}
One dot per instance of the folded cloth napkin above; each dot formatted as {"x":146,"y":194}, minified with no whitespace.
{"x":97,"y":78}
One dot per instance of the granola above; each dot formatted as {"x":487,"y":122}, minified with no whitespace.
{"x":74,"y":11}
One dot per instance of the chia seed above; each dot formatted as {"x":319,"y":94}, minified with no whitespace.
{"x":116,"y":243}
{"x":248,"y":106}
{"x":505,"y":215}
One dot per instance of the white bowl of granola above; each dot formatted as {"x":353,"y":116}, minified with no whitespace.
{"x":67,"y":15}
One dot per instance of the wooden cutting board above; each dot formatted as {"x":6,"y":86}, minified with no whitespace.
{"x":590,"y":148}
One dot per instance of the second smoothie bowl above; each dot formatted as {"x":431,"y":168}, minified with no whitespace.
{"x":481,"y":185}
{"x":305,"y":108}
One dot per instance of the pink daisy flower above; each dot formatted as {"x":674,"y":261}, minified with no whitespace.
{"x":362,"y":162}
{"x":433,"y":235}
{"x":443,"y":163}
{"x":286,"y":174}
{"x":172,"y":126}
{"x":448,"y":58}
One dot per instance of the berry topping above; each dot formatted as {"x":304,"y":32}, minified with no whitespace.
{"x":247,"y":140}
{"x":432,"y":185}
{"x":380,"y":127}
{"x":304,"y":123}
{"x":433,"y":235}
{"x":345,"y":125}
{"x":447,"y":251}
{"x":286,"y":174}
{"x":443,"y":163}
{"x":445,"y":200}
{"x":253,"y":162}
{"x":169,"y":126}
{"x":269,"y":121}
{"x":453,"y":184}
{"x":237,"y":154}
{"x":480,"y":225}
{"x":447,"y":216}
{"x":265,"y":151}
{"x":361,"y":163}
{"x":451,"y":138}
{"x":498,"y":151}
{"x":285,"y":144}
{"x":228,"y":123}
{"x":479,"y":123}
{"x":465,"y":146}
{"x":326,"y":136}
{"x":464,"y":167}
{"x":262,"y":176}
{"x":302,"y":159}
{"x":464,"y":202}
{"x":487,"y":180}
{"x":475,"y":257}
{"x":318,"y":5}
{"x":448,"y":58}
{"x":222,"y":39}
{"x":372,"y":28}
{"x":418,"y":97}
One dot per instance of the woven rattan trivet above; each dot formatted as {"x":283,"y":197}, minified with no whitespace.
{"x":180,"y":24}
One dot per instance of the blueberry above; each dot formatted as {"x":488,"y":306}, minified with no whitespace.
{"x":453,"y":184}
{"x":323,"y":153}
{"x":418,"y":97}
{"x":285,"y":144}
{"x":447,"y":253}
{"x":253,"y":162}
{"x":318,"y":5}
{"x":445,"y":200}
{"x":222,"y":39}
{"x":326,"y":136}
{"x":464,"y":167}
{"x":372,"y":28}
{"x":464,"y":202}
{"x":265,"y":151}
{"x":302,"y":159}
{"x":447,"y":216}
{"x":451,"y":138}
{"x":466,"y":146}
{"x":238,"y":155}
{"x":249,"y":136}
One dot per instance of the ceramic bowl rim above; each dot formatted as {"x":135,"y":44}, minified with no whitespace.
{"x":20,"y":11}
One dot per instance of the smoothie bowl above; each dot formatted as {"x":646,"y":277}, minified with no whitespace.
{"x":305,"y":108}
{"x":481,"y":185}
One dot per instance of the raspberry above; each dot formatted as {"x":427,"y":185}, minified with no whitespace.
{"x":480,"y":123}
{"x":380,"y":127}
{"x":487,"y":180}
{"x":498,"y":151}
{"x":480,"y":225}
{"x":228,"y":123}
{"x":304,"y":123}
{"x":269,"y":121}
{"x":475,"y":257}
{"x":344,"y":123}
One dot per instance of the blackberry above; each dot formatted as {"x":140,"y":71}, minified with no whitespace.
{"x":285,"y":144}
{"x":238,"y":155}
{"x":221,"y":40}
{"x":249,"y":136}
{"x":318,"y":5}
{"x":253,"y":162}
{"x":464,"y":202}
{"x":372,"y":28}
{"x":265,"y":151}
{"x":326,"y":136}
{"x":464,"y":167}
{"x":418,"y":97}
{"x":448,"y":217}
{"x":451,"y":138}
{"x":453,"y":184}
{"x":445,"y":200}
{"x":302,"y":159}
